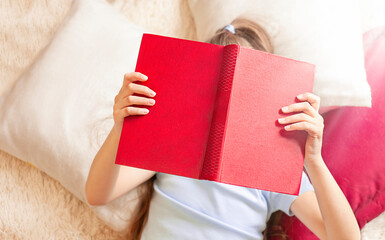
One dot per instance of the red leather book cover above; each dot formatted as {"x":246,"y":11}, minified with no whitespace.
{"x":216,"y":112}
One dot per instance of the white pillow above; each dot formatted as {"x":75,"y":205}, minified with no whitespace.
{"x":325,"y":33}
{"x":59,"y":111}
{"x":372,"y":14}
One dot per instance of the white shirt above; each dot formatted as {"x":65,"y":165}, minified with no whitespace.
{"x":186,"y":208}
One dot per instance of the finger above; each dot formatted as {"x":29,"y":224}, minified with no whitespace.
{"x":296,"y":118}
{"x":311,"y":129}
{"x":134,"y":88}
{"x":130,"y":111}
{"x":140,"y":89}
{"x":300,"y":107}
{"x":129,"y":78}
{"x":314,"y":100}
{"x":134,"y":100}
{"x":134,"y":76}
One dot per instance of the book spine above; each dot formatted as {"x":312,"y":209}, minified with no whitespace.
{"x":211,"y":166}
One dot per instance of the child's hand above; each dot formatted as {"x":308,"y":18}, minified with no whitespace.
{"x":309,"y":120}
{"x":124,"y":99}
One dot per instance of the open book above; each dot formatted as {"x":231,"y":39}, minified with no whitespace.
{"x":215,"y":116}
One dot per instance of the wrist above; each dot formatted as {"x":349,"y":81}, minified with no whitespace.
{"x":315,"y":161}
{"x":117,"y":129}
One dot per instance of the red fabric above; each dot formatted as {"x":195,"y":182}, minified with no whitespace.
{"x":354,"y":145}
{"x":216,"y":112}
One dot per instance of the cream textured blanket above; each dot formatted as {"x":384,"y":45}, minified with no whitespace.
{"x":33,"y":205}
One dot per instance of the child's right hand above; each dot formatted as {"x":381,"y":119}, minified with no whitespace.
{"x":124,"y":99}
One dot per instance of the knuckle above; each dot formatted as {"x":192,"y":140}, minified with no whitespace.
{"x":130,"y":87}
{"x":292,"y":118}
{"x":127,"y":75}
{"x":322,"y":119}
{"x":322,"y":122}
{"x":115,"y":114}
{"x":289,"y":118}
{"x":302,"y":116}
{"x":128,"y":99}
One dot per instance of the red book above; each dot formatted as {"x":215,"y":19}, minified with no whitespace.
{"x":215,"y":116}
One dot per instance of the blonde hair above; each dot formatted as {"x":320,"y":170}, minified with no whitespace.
{"x":247,"y":34}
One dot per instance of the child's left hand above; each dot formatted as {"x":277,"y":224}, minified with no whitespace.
{"x":309,"y":120}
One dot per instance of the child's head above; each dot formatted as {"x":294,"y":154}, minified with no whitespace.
{"x":247,"y":34}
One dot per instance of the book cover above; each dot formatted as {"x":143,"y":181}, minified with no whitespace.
{"x":216,"y":112}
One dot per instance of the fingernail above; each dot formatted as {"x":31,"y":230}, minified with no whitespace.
{"x":144,"y":77}
{"x":281,"y":120}
{"x":145,"y":111}
{"x":287,"y":127}
{"x":285,"y":109}
{"x":152,"y":94}
{"x":151,"y":101}
{"x":300,"y":96}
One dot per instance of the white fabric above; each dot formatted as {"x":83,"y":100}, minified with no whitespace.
{"x":59,"y":112}
{"x":185,"y":208}
{"x":325,"y":33}
{"x":372,"y":14}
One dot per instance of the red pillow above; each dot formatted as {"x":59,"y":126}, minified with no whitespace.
{"x":354,"y":145}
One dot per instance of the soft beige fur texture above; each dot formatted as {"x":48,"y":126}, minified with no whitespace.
{"x":33,"y":205}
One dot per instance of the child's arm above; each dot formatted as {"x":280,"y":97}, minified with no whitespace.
{"x":106,"y":180}
{"x":334,"y":210}
{"x":327,"y":212}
